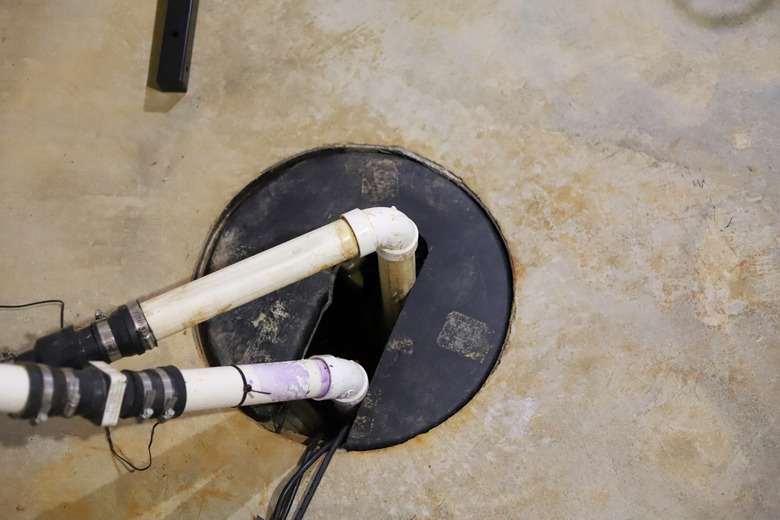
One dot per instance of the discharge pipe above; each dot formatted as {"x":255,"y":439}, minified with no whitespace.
{"x":103,"y":394}
{"x":137,"y":327}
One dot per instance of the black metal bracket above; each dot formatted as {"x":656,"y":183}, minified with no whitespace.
{"x":173,"y":72}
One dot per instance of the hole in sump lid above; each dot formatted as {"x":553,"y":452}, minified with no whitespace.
{"x":452,"y":329}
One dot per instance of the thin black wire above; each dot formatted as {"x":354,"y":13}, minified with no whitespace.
{"x":336,"y":443}
{"x":42,"y":302}
{"x":9,"y":357}
{"x":132,"y":467}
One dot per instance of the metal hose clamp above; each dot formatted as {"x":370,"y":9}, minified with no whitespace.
{"x":169,"y":399}
{"x":107,"y":339}
{"x":142,"y":328}
{"x":73,"y":386}
{"x":149,"y":394}
{"x":46,"y":397}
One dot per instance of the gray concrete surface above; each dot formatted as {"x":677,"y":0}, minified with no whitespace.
{"x":629,"y":150}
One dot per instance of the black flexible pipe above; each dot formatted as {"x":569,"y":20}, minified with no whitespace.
{"x":57,"y":391}
{"x":106,"y":339}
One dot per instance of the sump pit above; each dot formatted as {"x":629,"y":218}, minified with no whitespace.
{"x":450,"y":333}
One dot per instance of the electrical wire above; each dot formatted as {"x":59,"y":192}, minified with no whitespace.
{"x":10,"y":356}
{"x":337,"y":442}
{"x":286,"y":497}
{"x":129,"y":465}
{"x":312,"y":454}
{"x":42,"y":302}
{"x":285,"y":500}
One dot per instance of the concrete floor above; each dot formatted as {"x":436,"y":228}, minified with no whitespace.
{"x":628,"y":150}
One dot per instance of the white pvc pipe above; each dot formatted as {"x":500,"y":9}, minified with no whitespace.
{"x":396,"y":280}
{"x":249,"y":279}
{"x":14,"y":388}
{"x":360,"y":232}
{"x":320,"y":378}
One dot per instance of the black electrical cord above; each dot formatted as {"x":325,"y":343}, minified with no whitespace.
{"x":286,"y":497}
{"x":337,"y":442}
{"x":285,"y":500}
{"x":129,"y":465}
{"x":312,"y":454}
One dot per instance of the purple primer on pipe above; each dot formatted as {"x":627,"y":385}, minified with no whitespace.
{"x":325,"y":376}
{"x":290,"y":380}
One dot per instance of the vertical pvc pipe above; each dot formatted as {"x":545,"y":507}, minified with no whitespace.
{"x":394,"y":237}
{"x":396,"y":279}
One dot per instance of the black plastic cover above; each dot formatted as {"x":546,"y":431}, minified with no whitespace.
{"x":452,"y":329}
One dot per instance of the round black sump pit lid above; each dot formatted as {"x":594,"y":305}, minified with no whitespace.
{"x":452,"y":329}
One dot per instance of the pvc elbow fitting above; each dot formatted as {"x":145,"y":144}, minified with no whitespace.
{"x":387,"y":231}
{"x":348,"y":381}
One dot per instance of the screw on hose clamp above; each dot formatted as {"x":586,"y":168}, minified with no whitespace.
{"x":47,"y":395}
{"x":169,"y":395}
{"x":106,"y":337}
{"x":147,"y":412}
{"x":73,"y":387}
{"x":142,"y":328}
